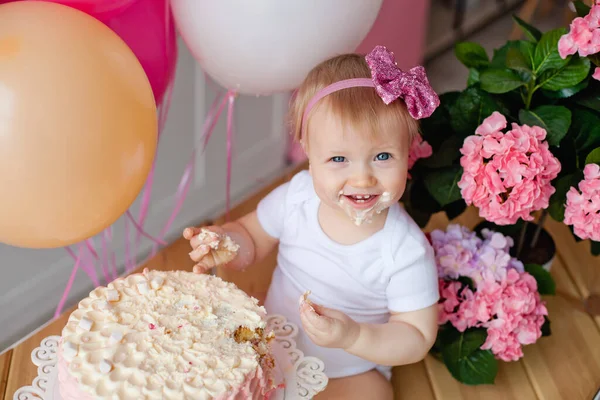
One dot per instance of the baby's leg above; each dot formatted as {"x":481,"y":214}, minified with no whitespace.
{"x":368,"y":385}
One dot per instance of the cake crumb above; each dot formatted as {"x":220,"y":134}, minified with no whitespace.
{"x":222,"y":247}
{"x":304,"y":299}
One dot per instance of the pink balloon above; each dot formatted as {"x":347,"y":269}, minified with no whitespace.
{"x":143,"y":25}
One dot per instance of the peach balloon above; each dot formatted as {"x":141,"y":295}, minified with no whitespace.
{"x":78,"y":125}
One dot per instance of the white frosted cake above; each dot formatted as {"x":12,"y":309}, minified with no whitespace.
{"x":166,"y":335}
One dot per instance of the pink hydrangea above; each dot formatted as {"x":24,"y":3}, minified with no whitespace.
{"x":510,"y":309}
{"x":583,"y":206}
{"x":583,"y":36}
{"x":418,"y":149}
{"x":507,"y":175}
{"x":518,"y":314}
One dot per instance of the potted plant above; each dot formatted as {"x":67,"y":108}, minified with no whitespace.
{"x":521,"y":142}
{"x":490,"y":304}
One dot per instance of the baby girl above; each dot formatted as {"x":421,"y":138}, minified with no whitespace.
{"x":340,"y":230}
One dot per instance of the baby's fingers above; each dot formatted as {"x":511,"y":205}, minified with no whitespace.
{"x":310,"y":317}
{"x":201,"y":268}
{"x":199,"y":252}
{"x":205,"y":236}
{"x":189,"y":233}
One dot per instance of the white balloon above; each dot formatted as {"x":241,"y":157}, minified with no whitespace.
{"x":267,"y":46}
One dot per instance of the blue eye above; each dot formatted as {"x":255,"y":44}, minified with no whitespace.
{"x":383,"y":156}
{"x":338,"y":159}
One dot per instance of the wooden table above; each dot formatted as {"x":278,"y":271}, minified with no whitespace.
{"x":564,"y":366}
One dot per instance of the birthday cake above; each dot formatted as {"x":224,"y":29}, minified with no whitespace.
{"x":166,"y":335}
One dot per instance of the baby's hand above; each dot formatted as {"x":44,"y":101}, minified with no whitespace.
{"x":211,"y":247}
{"x":327,"y":327}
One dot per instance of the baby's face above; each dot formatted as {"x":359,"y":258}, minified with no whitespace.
{"x":357,"y":173}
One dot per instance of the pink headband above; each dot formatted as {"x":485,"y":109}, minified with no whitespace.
{"x":391,"y":83}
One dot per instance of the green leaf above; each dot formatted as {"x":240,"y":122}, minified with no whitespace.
{"x":590,"y":100}
{"x":595,"y":247}
{"x":531,"y":32}
{"x":473,"y":77}
{"x":418,"y":202}
{"x":500,"y":80}
{"x":467,"y":362}
{"x":442,"y":184}
{"x":546,"y":331}
{"x":572,"y":74}
{"x":581,"y":8}
{"x":445,"y":154}
{"x":466,"y":281}
{"x":471,"y":54}
{"x":455,"y":209}
{"x":585,"y":129}
{"x":566,"y":92}
{"x":519,"y":56}
{"x":559,"y":197}
{"x":500,"y":56}
{"x":545,"y":283}
{"x":556,"y":120}
{"x":437,"y":127}
{"x":470,"y":109}
{"x":595,"y":59}
{"x":546,"y":55}
{"x":593,"y":157}
{"x":421,"y":198}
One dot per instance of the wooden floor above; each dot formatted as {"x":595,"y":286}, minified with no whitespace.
{"x":565,"y":365}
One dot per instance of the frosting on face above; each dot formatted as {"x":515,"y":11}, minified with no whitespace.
{"x":362,"y":215}
{"x":162,"y":335}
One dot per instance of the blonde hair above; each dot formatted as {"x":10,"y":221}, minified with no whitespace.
{"x":355,"y":105}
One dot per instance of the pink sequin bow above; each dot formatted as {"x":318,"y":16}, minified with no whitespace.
{"x":392,"y":83}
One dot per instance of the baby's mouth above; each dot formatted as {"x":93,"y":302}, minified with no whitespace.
{"x":362,"y":201}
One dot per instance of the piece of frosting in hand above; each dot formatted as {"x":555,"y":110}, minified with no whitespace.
{"x":222,"y":248}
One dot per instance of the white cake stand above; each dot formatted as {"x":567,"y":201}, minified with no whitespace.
{"x":304,"y":376}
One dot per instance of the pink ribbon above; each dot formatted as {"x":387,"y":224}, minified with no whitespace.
{"x":86,"y":268}
{"x":231,"y":100}
{"x":65,"y":294}
{"x":208,"y":127}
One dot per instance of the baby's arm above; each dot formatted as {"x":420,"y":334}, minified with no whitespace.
{"x":254,"y":243}
{"x":405,"y":339}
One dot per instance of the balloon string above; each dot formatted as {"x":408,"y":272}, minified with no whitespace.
{"x":231,"y":100}
{"x":67,"y":290}
{"x":145,"y":206}
{"x":207,"y":129}
{"x":89,"y":271}
{"x":105,"y":259}
{"x":113,"y":256}
{"x":141,"y":231}
{"x":129,"y":263}
{"x":89,"y":243}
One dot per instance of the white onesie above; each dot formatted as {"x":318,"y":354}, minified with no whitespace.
{"x":392,"y":270}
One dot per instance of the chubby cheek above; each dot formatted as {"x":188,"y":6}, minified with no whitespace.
{"x":396,"y":185}
{"x":327,"y":187}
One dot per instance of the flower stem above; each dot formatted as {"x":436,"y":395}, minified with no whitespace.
{"x":538,"y":230}
{"x":530,"y":91}
{"x":522,"y":238}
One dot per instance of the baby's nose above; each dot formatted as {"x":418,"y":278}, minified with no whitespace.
{"x":363,"y":178}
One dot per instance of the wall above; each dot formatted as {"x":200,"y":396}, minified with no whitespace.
{"x":401,"y":26}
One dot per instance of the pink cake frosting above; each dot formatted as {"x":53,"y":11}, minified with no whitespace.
{"x":166,"y":335}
